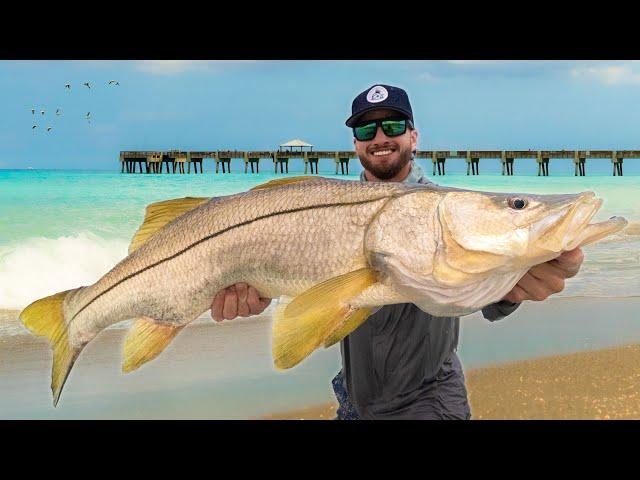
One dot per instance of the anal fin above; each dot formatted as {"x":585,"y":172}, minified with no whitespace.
{"x":145,"y":341}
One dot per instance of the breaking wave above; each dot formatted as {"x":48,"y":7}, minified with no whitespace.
{"x":38,"y":267}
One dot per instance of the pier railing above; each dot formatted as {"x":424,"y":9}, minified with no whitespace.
{"x":154,"y":161}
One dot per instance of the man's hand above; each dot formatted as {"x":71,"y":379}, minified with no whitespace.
{"x":547,"y":278}
{"x":237,"y":300}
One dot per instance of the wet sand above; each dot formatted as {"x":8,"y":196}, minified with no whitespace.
{"x":603,"y":384}
{"x":224,"y":371}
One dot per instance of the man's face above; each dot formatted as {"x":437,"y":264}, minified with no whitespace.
{"x":384,"y":157}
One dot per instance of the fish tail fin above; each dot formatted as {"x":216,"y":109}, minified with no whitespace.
{"x":45,"y":317}
{"x":145,"y":341}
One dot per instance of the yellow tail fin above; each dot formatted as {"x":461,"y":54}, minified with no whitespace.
{"x":145,"y":341}
{"x":45,"y":317}
{"x":311,"y":317}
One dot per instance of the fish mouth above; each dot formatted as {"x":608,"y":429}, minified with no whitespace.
{"x":567,"y":225}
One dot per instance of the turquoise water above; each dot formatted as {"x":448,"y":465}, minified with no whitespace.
{"x":61,"y":229}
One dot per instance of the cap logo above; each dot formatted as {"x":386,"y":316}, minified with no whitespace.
{"x":377,"y":94}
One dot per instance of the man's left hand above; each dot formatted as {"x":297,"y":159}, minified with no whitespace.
{"x":547,"y":278}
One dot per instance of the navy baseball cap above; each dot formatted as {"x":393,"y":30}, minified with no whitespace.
{"x":380,"y":96}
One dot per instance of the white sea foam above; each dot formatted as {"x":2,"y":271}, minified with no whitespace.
{"x":39,"y":267}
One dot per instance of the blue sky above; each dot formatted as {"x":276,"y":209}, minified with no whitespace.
{"x":257,"y":105}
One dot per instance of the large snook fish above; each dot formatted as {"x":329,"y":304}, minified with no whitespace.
{"x":338,"y":248}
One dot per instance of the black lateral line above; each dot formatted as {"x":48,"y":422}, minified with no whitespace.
{"x":220,"y":232}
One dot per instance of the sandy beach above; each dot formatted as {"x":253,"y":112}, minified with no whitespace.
{"x":603,"y":384}
{"x":224,"y":371}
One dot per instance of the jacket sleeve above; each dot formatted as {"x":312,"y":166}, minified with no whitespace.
{"x":499,"y":310}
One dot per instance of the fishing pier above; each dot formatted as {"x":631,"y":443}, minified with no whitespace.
{"x":175,"y":161}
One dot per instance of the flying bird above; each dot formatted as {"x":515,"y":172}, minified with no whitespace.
{"x":57,"y":112}
{"x":35,"y":126}
{"x":33,"y":111}
{"x":49,"y":129}
{"x":86,"y":84}
{"x":67,"y":86}
{"x":42,"y":112}
{"x":114,"y":82}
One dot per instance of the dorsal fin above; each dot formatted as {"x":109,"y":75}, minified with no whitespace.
{"x":285,"y":181}
{"x":159,"y":214}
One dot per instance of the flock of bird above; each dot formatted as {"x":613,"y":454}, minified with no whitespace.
{"x":59,"y":111}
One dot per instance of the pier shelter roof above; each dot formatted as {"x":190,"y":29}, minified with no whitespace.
{"x":296,"y":143}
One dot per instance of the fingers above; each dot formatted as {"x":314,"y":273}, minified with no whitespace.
{"x":243,"y":308}
{"x":230,"y":309}
{"x":239,"y":300}
{"x":550,"y":277}
{"x":570,"y":262}
{"x":256,"y":303}
{"x":548,"y":269}
{"x":517,"y":295}
{"x":532,"y":288}
{"x":217,"y":305}
{"x":264,"y":303}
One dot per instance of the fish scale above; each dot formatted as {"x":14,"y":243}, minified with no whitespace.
{"x":276,"y":264}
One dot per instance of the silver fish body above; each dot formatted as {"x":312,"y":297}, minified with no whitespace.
{"x":338,"y":248}
{"x":282,"y":241}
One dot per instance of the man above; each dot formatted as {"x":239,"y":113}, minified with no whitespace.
{"x":401,"y":363}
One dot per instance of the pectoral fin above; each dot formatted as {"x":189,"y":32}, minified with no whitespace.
{"x":145,"y":341}
{"x":353,"y":321}
{"x":161,"y":213}
{"x":313,"y":316}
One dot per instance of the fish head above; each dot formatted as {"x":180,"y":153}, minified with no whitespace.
{"x":489,"y":230}
{"x":488,"y":241}
{"x":451,"y":252}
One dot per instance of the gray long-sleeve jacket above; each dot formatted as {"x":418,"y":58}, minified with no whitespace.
{"x":401,"y":362}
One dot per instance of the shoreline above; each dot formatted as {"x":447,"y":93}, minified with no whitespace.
{"x":593,"y":385}
{"x":559,"y":359}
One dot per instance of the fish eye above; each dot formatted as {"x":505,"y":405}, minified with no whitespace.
{"x":517,"y":203}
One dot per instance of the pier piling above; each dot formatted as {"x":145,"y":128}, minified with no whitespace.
{"x":174,"y":160}
{"x":616,"y":160}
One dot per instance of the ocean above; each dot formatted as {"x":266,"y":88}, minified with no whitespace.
{"x":63,"y":229}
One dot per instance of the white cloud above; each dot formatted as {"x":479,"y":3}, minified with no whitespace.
{"x":427,"y":76}
{"x":605,"y":72}
{"x":173,"y":67}
{"x":489,"y":68}
{"x":610,"y":74}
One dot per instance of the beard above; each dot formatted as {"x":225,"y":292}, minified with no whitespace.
{"x":388,"y":170}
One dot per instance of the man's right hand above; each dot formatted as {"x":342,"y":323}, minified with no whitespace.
{"x":239,"y":300}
